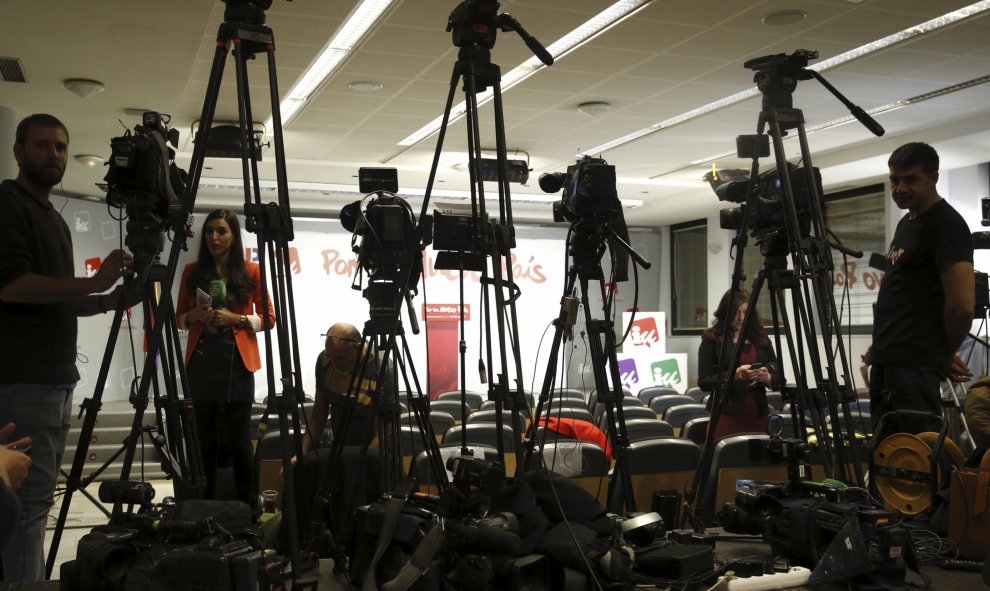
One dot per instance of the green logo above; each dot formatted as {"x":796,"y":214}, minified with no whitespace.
{"x":666,"y":373}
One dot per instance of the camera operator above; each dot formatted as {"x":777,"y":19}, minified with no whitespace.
{"x":925,"y":305}
{"x":343,"y":351}
{"x":40,"y":298}
{"x":744,"y":405}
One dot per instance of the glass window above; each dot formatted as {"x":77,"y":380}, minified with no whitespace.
{"x":856,"y":218}
{"x":689,"y":277}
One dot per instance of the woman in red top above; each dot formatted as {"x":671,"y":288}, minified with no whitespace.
{"x":222,"y":349}
{"x":744,"y":405}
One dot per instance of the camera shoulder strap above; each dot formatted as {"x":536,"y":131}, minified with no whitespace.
{"x":387,"y":530}
{"x":418,"y":562}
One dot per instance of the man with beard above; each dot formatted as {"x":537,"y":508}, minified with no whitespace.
{"x":40,"y":298}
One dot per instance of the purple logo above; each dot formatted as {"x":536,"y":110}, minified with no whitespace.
{"x":628,"y":373}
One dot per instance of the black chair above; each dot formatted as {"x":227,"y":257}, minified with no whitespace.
{"x":775,"y":400}
{"x":696,"y":430}
{"x":642,"y":429}
{"x":569,"y":412}
{"x":666,"y":463}
{"x":439,"y":420}
{"x":732,"y":459}
{"x":451,"y":407}
{"x":648,"y":393}
{"x":410,"y":440}
{"x":488,"y":416}
{"x":630,"y":413}
{"x":696,"y":393}
{"x":660,"y":404}
{"x":682,"y":413}
{"x":480,"y":434}
{"x":473,"y":399}
{"x":627,"y":402}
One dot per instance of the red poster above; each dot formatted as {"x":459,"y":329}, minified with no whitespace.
{"x":442,"y":325}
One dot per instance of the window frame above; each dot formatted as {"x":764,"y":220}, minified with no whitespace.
{"x":676,"y":330}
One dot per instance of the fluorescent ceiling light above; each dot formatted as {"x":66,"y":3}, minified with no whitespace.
{"x":925,"y":27}
{"x":347,"y":37}
{"x":297,"y":187}
{"x":595,"y":26}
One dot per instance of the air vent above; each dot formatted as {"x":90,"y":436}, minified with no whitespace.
{"x":10,"y":68}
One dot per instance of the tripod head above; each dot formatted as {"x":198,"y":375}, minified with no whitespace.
{"x":777,"y":76}
{"x":246,"y":11}
{"x":475,"y":23}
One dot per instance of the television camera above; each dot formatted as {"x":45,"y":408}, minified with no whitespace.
{"x":171,"y":546}
{"x":800,"y":518}
{"x":768,"y":218}
{"x":385,"y":239}
{"x":144,"y":180}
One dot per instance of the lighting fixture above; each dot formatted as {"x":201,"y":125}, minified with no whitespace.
{"x":365,"y":86}
{"x":909,"y":33}
{"x":782,"y":18}
{"x":594,"y":108}
{"x":344,"y":40}
{"x":90,"y":160}
{"x":297,"y":187}
{"x":591,"y":28}
{"x":82,"y":87}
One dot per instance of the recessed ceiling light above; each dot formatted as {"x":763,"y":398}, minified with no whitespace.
{"x":366,"y":86}
{"x":90,"y":160}
{"x":784,"y":17}
{"x":594,"y":108}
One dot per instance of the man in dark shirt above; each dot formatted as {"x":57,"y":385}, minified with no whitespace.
{"x":925,"y":306}
{"x":40,"y":298}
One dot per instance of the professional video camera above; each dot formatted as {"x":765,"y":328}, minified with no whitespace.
{"x":801,"y":518}
{"x":385,"y":238}
{"x":768,"y":220}
{"x":589,"y":190}
{"x":171,"y":546}
{"x":144,"y":180}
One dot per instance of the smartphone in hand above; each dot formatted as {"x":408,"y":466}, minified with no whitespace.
{"x":203,"y":298}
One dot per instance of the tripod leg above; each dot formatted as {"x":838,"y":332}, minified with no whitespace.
{"x":90,"y":406}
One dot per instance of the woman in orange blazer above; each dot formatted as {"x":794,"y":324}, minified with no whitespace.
{"x":222,"y":349}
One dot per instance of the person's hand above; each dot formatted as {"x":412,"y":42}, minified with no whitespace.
{"x":113,"y":267}
{"x":745,"y":373}
{"x":220,"y":317}
{"x":13,"y":464}
{"x":199,"y":314}
{"x":958,"y":370}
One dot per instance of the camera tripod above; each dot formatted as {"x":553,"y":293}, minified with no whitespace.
{"x":801,"y":238}
{"x":473,"y":25}
{"x":243,"y":30}
{"x":174,"y":436}
{"x":382,"y":356}
{"x":587,"y":239}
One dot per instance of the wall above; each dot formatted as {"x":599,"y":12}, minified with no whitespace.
{"x":963,"y":188}
{"x":323,"y":269}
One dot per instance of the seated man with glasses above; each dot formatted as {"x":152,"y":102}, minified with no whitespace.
{"x":345,"y":352}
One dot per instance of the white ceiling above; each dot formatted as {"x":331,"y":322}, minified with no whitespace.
{"x":669,"y":58}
